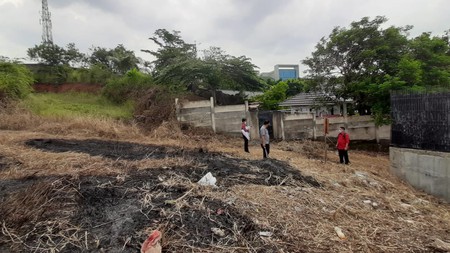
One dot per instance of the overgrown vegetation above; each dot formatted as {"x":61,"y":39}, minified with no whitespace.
{"x":129,"y":86}
{"x":77,"y":104}
{"x":15,"y":81}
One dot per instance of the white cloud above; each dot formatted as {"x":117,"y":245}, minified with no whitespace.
{"x":268,"y":31}
{"x":16,"y":3}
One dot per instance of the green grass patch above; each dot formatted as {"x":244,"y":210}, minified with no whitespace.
{"x":77,"y":104}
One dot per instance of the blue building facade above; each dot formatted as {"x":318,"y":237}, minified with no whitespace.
{"x":283,"y":72}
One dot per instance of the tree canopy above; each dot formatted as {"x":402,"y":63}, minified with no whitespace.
{"x":52,"y":54}
{"x":366,"y":62}
{"x":177,"y":64}
{"x":118,"y":60}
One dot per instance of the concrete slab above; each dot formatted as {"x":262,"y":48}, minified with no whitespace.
{"x":426,"y":183}
{"x":410,"y":160}
{"x":440,"y":187}
{"x":425,"y":163}
{"x":412,"y":177}
{"x":442,"y":167}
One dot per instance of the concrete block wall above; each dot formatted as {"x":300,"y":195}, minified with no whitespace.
{"x":358,"y":127}
{"x":228,"y":119}
{"x":428,"y":171}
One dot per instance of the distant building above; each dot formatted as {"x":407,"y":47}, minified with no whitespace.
{"x":283,"y":72}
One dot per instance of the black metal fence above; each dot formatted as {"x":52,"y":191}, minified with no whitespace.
{"x":421,"y":121}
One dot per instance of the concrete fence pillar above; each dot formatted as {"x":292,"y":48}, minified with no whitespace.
{"x":313,"y":115}
{"x":213,"y":118}
{"x":177,"y":109}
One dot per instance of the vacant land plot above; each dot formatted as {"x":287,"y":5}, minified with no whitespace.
{"x":104,"y":190}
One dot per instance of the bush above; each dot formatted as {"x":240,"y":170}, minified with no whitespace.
{"x":65,"y":74}
{"x":51,"y":74}
{"x":15,"y":81}
{"x":129,"y":86}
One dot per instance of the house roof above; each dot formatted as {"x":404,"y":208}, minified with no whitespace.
{"x":308,"y":99}
{"x":248,"y":94}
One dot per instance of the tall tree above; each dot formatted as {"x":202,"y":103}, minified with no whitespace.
{"x":52,"y":54}
{"x":172,"y":49}
{"x":430,"y":57}
{"x":178,"y":65}
{"x":353,"y":61}
{"x":118,"y":60}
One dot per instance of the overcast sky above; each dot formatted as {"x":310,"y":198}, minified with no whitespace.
{"x":268,"y":31}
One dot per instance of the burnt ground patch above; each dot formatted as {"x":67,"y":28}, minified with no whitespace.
{"x":229,"y":170}
{"x":106,"y":214}
{"x":111,"y":213}
{"x":107,"y":149}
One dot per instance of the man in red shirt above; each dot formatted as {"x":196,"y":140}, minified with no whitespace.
{"x":343,"y":140}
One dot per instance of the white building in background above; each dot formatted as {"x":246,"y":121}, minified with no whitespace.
{"x":283,"y":72}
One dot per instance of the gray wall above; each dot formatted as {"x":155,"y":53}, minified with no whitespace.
{"x":426,"y":170}
{"x":228,"y":119}
{"x":224,"y":119}
{"x":300,"y":126}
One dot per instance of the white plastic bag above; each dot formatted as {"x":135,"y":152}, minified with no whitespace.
{"x":208,"y":180}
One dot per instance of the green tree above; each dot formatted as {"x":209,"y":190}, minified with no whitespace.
{"x":431,"y":56}
{"x":177,"y":65}
{"x":220,"y":70}
{"x":15,"y":80}
{"x":52,"y":54}
{"x":118,"y":60}
{"x":47,"y":53}
{"x":273,"y":96}
{"x":171,"y":50}
{"x":352,"y":61}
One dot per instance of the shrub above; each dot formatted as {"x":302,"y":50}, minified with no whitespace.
{"x":15,"y":81}
{"x":129,"y":86}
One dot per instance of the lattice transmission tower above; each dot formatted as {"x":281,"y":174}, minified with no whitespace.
{"x":46,"y":24}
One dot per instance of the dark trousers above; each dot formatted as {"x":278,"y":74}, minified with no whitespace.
{"x":245,"y":143}
{"x":343,"y":156}
{"x":266,"y":150}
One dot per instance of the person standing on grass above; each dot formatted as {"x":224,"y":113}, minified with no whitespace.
{"x":343,"y":140}
{"x":265,"y":139}
{"x":245,"y":134}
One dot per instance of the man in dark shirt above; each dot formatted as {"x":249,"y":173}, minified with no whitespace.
{"x":265,"y":139}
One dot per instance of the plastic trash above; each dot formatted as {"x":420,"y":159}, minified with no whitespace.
{"x":340,"y":233}
{"x":218,"y":232}
{"x":208,"y":180}
{"x":265,"y":233}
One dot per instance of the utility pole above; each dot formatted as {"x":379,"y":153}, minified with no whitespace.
{"x":46,"y":22}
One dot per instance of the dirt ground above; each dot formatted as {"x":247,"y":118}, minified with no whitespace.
{"x":77,"y":192}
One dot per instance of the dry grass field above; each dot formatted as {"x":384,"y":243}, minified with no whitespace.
{"x":99,"y":185}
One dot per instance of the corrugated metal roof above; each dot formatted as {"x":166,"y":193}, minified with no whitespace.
{"x":308,"y":99}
